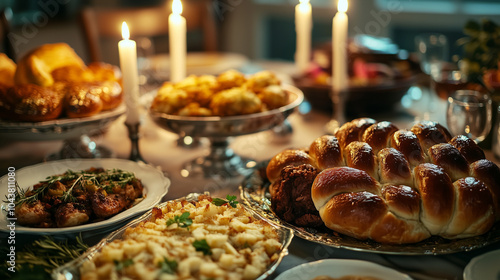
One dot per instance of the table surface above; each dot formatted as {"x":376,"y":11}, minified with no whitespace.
{"x":160,"y":148}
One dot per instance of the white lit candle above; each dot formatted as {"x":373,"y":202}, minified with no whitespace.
{"x":303,"y":27}
{"x":177,"y":37}
{"x":339,"y":48}
{"x":128,"y":64}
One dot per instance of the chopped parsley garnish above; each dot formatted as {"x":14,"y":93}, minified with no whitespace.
{"x":182,"y":221}
{"x":123,"y":264}
{"x":231,"y":200}
{"x":202,"y":246}
{"x":167,"y":266}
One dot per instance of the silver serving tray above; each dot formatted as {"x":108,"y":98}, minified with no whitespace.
{"x":59,"y":129}
{"x":255,"y":195}
{"x":71,"y":270}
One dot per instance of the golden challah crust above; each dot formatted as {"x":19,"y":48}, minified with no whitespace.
{"x":376,"y":181}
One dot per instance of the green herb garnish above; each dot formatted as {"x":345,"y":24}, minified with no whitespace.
{"x":182,"y":221}
{"x":202,"y":246}
{"x":45,"y":254}
{"x":231,"y":200}
{"x":168,"y":266}
{"x":106,"y":180}
{"x":119,"y":265}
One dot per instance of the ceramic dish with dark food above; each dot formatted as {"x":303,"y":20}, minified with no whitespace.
{"x":79,"y":195}
{"x":415,"y":191}
{"x":196,"y":237}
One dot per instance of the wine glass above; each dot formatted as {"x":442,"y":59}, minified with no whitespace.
{"x":469,"y":113}
{"x":432,"y":50}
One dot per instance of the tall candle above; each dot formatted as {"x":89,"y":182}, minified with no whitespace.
{"x":177,"y":37}
{"x":303,"y":27}
{"x":128,"y":64}
{"x":339,"y":48}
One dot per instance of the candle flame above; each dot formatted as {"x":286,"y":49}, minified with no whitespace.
{"x":342,"y":6}
{"x":177,"y":7}
{"x":125,"y":31}
{"x":304,"y":1}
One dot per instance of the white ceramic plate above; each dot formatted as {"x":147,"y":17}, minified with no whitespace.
{"x":339,"y":268}
{"x":155,"y":187}
{"x":484,"y":266}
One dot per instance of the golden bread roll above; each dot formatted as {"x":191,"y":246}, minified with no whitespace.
{"x":450,"y":159}
{"x":327,"y":152}
{"x":82,"y":101}
{"x":30,"y":103}
{"x":438,"y":198}
{"x":7,"y":70}
{"x":378,"y":135}
{"x":394,"y":168}
{"x":468,"y":148}
{"x":353,"y":131}
{"x":407,"y":143}
{"x":430,"y":133}
{"x":36,"y":67}
{"x":415,"y":184}
{"x":360,"y":155}
{"x":473,"y":213}
{"x":489,"y":174}
{"x":286,"y":158}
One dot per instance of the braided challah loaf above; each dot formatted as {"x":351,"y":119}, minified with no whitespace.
{"x":374,"y":181}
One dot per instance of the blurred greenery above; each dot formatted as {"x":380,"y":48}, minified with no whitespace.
{"x":481,"y":47}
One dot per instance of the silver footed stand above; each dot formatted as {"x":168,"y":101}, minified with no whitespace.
{"x":133,"y":134}
{"x":338,"y":115}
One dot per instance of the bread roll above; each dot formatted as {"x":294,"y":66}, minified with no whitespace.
{"x":488,"y":173}
{"x":468,"y":148}
{"x":430,"y":133}
{"x":378,"y":135}
{"x":36,"y":67}
{"x":30,"y":103}
{"x":326,"y":151}
{"x":437,"y":194}
{"x":286,"y":158}
{"x":408,"y":144}
{"x":394,"y":168}
{"x":473,"y":212}
{"x":7,"y":70}
{"x":353,"y":131}
{"x":450,"y":159}
{"x":360,"y":155}
{"x":333,"y":181}
{"x":81,"y":101}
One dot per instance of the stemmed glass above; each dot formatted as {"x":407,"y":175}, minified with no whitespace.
{"x":469,"y":113}
{"x":432,"y":49}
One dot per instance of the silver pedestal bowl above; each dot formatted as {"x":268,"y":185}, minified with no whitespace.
{"x":222,"y":162}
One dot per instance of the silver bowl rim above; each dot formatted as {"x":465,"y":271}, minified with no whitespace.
{"x":289,"y":88}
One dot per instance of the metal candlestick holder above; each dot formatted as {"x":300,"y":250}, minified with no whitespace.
{"x":133,"y":134}
{"x":338,"y":116}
